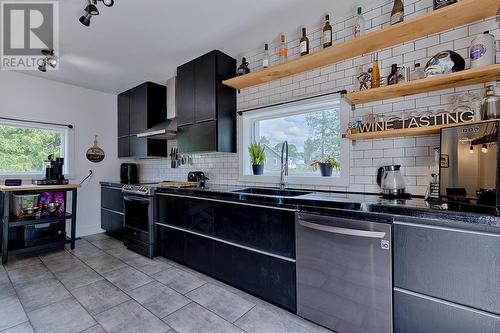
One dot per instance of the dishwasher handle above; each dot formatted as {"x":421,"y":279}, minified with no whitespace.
{"x":342,"y":231}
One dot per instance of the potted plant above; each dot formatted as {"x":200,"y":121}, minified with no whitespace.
{"x":257,"y":157}
{"x":326,"y":165}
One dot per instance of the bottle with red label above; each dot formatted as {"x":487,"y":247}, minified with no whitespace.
{"x":482,"y":50}
{"x":359,"y":25}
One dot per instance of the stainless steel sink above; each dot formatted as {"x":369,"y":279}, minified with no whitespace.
{"x":270,"y":192}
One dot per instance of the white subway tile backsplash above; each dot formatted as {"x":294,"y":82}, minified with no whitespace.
{"x":414,"y":154}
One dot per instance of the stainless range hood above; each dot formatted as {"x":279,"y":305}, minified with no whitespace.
{"x":164,"y":130}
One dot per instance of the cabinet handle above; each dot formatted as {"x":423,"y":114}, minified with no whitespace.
{"x":342,"y":231}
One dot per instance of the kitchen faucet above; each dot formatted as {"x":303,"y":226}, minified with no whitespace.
{"x":284,"y":165}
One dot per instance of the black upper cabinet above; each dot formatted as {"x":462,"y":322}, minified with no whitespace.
{"x":139,"y":109}
{"x":202,"y":98}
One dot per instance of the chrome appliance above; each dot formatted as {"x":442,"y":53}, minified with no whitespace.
{"x":344,"y":273}
{"x":139,"y":234}
{"x":470,"y":167}
{"x":391,"y":181}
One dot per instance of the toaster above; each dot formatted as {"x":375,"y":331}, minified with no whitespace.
{"x":197,"y":176}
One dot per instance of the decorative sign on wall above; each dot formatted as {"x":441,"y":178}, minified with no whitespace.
{"x":444,"y":118}
{"x":94,"y":153}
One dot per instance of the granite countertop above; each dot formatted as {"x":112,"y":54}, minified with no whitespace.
{"x":345,"y":203}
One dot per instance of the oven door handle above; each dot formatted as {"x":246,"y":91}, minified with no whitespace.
{"x":135,"y":199}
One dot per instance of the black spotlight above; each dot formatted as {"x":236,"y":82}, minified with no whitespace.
{"x":85,"y":19}
{"x":108,"y":3}
{"x":43,"y":66}
{"x":49,"y":60}
{"x":91,"y":9}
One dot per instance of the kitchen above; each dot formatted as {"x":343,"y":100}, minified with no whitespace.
{"x":318,"y":167}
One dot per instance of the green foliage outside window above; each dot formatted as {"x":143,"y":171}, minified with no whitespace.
{"x":24,"y":149}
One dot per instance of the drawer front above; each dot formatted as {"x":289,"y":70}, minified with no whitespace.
{"x":187,"y":213}
{"x":450,"y":264}
{"x":420,"y":314}
{"x":112,"y":198}
{"x":266,"y":229}
{"x":111,"y":222}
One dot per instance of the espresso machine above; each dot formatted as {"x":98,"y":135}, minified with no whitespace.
{"x":54,"y":172}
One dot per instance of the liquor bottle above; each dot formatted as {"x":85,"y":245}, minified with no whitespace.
{"x":265,"y":61}
{"x":443,"y":3}
{"x":375,"y":74}
{"x":243,"y":69}
{"x":418,"y":73}
{"x":393,"y":77}
{"x":283,"y":49}
{"x":327,"y":32}
{"x":359,"y":25}
{"x":304,"y":43}
{"x":398,"y":12}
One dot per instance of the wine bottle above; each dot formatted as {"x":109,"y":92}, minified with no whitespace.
{"x":393,"y":77}
{"x":359,"y":25}
{"x":283,"y":49}
{"x":327,"y":32}
{"x":375,"y":79}
{"x":304,"y":43}
{"x":265,"y":61}
{"x":398,"y":12}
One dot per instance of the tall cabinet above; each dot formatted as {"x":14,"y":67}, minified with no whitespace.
{"x":141,"y":108}
{"x":206,"y":109}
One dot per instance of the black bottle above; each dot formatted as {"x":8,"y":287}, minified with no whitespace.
{"x":243,"y":69}
{"x":393,"y":77}
{"x":443,"y":3}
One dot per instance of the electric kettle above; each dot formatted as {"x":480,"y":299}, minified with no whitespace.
{"x":391,"y":181}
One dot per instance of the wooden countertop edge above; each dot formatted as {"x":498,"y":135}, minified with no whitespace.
{"x":32,"y":187}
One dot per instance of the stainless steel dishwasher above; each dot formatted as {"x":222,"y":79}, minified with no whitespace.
{"x":344,"y":273}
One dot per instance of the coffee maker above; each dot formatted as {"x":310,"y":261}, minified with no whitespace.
{"x":392,"y":183}
{"x":54,"y":172}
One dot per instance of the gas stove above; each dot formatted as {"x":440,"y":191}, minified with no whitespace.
{"x":146,"y":189}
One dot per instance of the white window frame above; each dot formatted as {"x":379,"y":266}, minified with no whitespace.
{"x":68,"y":148}
{"x":246,"y":134}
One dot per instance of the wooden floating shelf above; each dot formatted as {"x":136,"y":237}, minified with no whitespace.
{"x":457,"y":79}
{"x":403,"y":132}
{"x":455,"y":15}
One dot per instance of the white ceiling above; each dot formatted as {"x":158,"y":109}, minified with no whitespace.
{"x":145,"y":40}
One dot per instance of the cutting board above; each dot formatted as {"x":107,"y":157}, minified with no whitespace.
{"x":177,"y":184}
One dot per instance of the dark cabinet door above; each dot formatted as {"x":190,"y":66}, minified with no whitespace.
{"x":450,"y":264}
{"x":139,"y":109}
{"x":124,"y":146}
{"x":199,"y":253}
{"x":112,"y":198}
{"x":270,"y":278}
{"x":421,"y":314}
{"x":205,"y":87}
{"x":266,"y":229}
{"x":170,"y":243}
{"x":138,"y":147}
{"x":185,"y":94}
{"x":192,"y":214}
{"x":124,"y":114}
{"x":200,"y":137}
{"x":111,"y":222}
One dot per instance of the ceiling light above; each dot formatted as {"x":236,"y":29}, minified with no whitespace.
{"x":92,"y":9}
{"x":85,"y":19}
{"x":108,"y":3}
{"x":471,"y":149}
{"x":42,"y":67}
{"x":50,"y":59}
{"x":484,"y":148}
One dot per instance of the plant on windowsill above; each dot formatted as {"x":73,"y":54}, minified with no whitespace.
{"x":326,"y":165}
{"x":257,"y":157}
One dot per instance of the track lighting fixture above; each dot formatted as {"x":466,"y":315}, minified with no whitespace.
{"x":49,"y":60}
{"x":91,"y":10}
{"x":484,"y":148}
{"x":471,"y":149}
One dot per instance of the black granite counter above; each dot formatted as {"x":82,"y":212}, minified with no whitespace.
{"x":111,"y":183}
{"x":354,"y":205}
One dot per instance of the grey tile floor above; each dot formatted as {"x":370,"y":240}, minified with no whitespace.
{"x":103,"y":287}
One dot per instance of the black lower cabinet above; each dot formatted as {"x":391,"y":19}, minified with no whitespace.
{"x":268,"y":277}
{"x":112,"y":223}
{"x":265,"y":276}
{"x":414,"y":314}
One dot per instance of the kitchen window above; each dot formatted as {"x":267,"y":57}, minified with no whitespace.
{"x":24,"y":146}
{"x":313,"y":129}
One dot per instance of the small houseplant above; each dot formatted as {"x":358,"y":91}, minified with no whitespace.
{"x":326,"y":165}
{"x":257,"y":158}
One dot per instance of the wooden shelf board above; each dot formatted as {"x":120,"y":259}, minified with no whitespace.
{"x":455,"y":15}
{"x":32,"y":187}
{"x":417,"y":131}
{"x":457,"y":79}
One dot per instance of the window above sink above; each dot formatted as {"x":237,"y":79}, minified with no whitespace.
{"x":313,"y":129}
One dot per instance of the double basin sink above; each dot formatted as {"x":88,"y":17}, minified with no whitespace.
{"x":270,"y":192}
